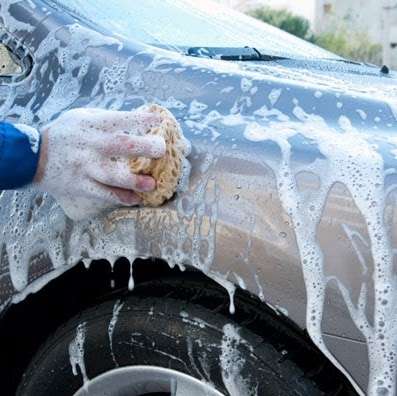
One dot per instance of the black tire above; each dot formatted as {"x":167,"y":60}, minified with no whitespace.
{"x":169,"y":333}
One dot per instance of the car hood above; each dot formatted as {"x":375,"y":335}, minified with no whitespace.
{"x":330,"y":74}
{"x":331,"y":89}
{"x":342,"y":94}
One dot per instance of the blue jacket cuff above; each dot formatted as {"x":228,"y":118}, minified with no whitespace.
{"x":19,"y":155}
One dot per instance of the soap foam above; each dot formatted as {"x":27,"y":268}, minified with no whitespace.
{"x":112,"y":324}
{"x":76,"y":352}
{"x":353,"y":161}
{"x":232,"y":363}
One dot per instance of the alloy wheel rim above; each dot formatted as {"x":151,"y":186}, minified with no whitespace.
{"x":146,"y":381}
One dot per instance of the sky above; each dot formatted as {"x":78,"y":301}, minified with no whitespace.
{"x":301,"y":7}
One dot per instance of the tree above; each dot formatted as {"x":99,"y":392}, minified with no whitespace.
{"x":285,"y":20}
{"x":340,"y":40}
{"x":355,"y":46}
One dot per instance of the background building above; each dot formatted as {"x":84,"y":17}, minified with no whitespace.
{"x":389,"y":39}
{"x":305,"y":8}
{"x":375,"y":18}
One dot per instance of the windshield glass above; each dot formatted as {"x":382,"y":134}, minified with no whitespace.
{"x":177,"y":24}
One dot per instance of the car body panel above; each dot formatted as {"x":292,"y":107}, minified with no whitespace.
{"x":230,"y":222}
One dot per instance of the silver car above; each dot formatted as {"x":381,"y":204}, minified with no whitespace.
{"x":271,"y":271}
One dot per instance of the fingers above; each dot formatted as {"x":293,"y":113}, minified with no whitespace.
{"x":125,"y":132}
{"x":135,"y":122}
{"x":104,"y":196}
{"x":117,"y":174}
{"x":125,"y":197}
{"x":132,"y":146}
{"x":99,"y":199}
{"x":114,"y":196}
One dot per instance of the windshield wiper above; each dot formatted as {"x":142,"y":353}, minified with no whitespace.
{"x":232,"y":54}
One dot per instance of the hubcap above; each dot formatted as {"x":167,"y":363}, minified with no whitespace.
{"x":146,"y":381}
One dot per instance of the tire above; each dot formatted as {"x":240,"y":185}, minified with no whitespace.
{"x":162,"y":332}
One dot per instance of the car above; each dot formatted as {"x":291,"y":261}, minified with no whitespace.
{"x":270,"y":272}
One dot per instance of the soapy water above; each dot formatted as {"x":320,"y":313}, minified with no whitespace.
{"x":353,"y":161}
{"x":112,"y":324}
{"x":76,"y":352}
{"x":230,"y":360}
{"x":40,"y":226}
{"x":232,"y":363}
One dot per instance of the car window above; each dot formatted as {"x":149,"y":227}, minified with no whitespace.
{"x":190,"y":23}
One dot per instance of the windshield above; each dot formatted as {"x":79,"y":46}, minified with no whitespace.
{"x":179,"y":24}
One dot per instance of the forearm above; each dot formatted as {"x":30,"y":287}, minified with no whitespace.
{"x":20,"y":147}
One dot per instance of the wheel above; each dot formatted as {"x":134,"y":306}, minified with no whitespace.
{"x":164,"y":344}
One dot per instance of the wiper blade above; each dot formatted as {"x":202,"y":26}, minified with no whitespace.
{"x":384,"y":69}
{"x":232,"y":54}
{"x":347,"y":61}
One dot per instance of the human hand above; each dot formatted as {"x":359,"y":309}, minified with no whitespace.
{"x":84,"y":159}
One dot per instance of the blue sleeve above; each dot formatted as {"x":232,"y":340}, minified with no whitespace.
{"x":19,"y":157}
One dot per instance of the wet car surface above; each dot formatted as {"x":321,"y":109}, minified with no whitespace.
{"x":291,"y":193}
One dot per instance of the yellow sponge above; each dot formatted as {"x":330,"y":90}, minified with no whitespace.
{"x":168,"y":169}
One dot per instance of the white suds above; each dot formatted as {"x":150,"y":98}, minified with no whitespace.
{"x":353,"y":161}
{"x":112,"y":324}
{"x":362,"y":114}
{"x":240,"y":281}
{"x":32,"y":134}
{"x":230,"y":288}
{"x":261,"y":294}
{"x":197,"y":107}
{"x":232,"y":363}
{"x":131,"y":282}
{"x":246,"y":84}
{"x":76,"y":352}
{"x":274,"y":96}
